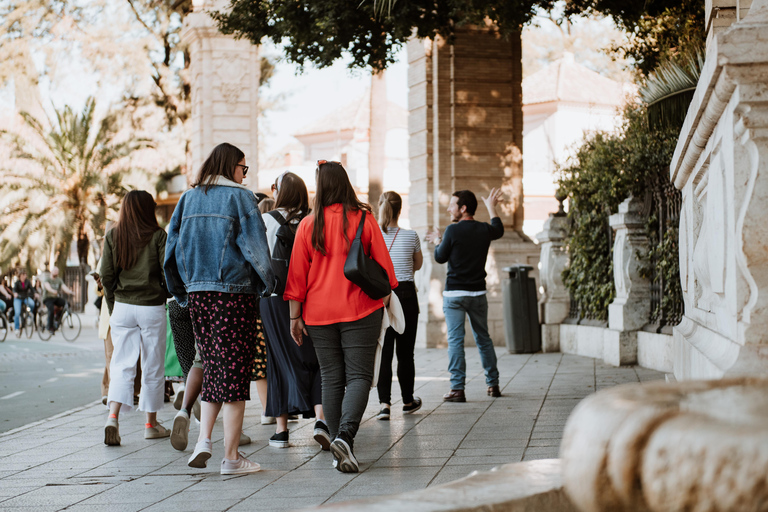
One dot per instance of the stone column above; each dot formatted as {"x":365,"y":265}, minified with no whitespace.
{"x":630,"y":309}
{"x":224,"y":75}
{"x":465,"y":127}
{"x":555,"y":300}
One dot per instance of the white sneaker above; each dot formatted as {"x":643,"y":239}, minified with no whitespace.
{"x":268,"y":420}
{"x":200,"y":456}
{"x":156,"y":432}
{"x":180,"y":432}
{"x":239,"y":466}
{"x":178,"y":399}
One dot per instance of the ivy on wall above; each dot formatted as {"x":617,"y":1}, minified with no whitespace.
{"x":606,"y":169}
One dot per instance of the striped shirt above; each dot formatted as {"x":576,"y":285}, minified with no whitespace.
{"x":402,"y":245}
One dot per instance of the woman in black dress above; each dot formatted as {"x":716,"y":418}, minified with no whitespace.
{"x":293,"y":373}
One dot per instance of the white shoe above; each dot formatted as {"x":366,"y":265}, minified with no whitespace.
{"x":180,"y":432}
{"x":156,"y":432}
{"x":178,"y":399}
{"x":200,"y":456}
{"x":268,"y":420}
{"x":239,"y":466}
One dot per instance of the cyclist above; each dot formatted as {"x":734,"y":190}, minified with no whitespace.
{"x":51,"y":290}
{"x":23,"y":293}
{"x":6,"y":299}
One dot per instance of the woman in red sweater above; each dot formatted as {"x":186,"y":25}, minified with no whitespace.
{"x":342,"y":320}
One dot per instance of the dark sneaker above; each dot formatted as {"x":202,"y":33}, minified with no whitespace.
{"x":343,"y":458}
{"x":323,"y":435}
{"x":383,"y":413}
{"x":494,"y":391}
{"x":279,"y":440}
{"x":415,"y":406}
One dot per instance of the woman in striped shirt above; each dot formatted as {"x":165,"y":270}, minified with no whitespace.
{"x":405,"y":251}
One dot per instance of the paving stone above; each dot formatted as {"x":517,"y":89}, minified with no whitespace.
{"x":440,"y":443}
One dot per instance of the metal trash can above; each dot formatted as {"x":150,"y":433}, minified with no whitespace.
{"x":521,"y":312}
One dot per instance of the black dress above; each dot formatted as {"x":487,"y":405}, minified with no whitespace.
{"x":293,"y":373}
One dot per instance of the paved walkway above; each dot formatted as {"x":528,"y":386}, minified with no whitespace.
{"x":62,"y":464}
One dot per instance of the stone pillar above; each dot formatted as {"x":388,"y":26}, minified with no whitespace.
{"x":555,"y":301}
{"x":465,"y":125}
{"x":721,"y":166}
{"x":224,"y":76}
{"x":630,"y":309}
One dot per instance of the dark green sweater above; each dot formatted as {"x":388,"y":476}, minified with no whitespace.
{"x":141,"y":285}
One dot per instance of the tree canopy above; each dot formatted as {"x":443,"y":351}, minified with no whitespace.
{"x":319,"y":31}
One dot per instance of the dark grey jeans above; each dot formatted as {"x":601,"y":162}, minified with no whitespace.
{"x":346,"y":352}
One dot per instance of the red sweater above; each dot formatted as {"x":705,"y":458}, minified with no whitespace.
{"x":318,"y":281}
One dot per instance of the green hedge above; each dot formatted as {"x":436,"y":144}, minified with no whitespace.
{"x":606,"y":169}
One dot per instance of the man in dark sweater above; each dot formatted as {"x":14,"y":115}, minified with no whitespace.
{"x":465,"y":247}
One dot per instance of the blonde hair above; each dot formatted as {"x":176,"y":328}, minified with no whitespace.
{"x":390,"y":204}
{"x":266,"y":205}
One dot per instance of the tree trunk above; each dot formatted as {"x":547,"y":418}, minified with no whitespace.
{"x":377,"y":158}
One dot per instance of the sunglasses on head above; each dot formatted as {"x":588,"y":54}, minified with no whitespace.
{"x":321,"y":162}
{"x":245,"y":169}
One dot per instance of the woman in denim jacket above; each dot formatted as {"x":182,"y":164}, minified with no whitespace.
{"x":217,"y":259}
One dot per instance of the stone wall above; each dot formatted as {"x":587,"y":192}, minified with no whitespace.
{"x":721,"y":167}
{"x":465,"y":127}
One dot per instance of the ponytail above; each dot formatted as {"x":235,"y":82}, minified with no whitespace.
{"x":390,"y":204}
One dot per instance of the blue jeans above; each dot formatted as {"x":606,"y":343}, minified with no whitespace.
{"x":477,"y":308}
{"x":17,"y":310}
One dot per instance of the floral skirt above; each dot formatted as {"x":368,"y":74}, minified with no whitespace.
{"x":260,"y":359}
{"x":226,"y":336}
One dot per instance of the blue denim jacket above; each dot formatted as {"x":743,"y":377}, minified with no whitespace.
{"x":217,"y":242}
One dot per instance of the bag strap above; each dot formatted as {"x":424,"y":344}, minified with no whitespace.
{"x":278,"y":217}
{"x":359,"y":233}
{"x":393,"y":240}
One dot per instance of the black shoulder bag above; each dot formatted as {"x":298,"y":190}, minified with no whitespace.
{"x":364,"y":271}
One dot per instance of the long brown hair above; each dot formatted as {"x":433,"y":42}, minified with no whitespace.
{"x":390,"y":204}
{"x":333,"y":187}
{"x":292,"y":196}
{"x":221,"y":162}
{"x":135,"y":227}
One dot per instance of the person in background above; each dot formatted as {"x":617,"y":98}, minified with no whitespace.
{"x":405,"y":251}
{"x":132,"y":277}
{"x":23,"y":293}
{"x":217,"y":236}
{"x":266,"y":205}
{"x":465,"y":247}
{"x":6,"y":297}
{"x":53,"y":287}
{"x":293,"y":373}
{"x":343,"y":322}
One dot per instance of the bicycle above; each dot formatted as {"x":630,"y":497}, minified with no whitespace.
{"x":27,"y":323}
{"x":69,"y":324}
{"x":4,"y":327}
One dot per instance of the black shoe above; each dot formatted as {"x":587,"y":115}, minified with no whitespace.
{"x":323,"y":435}
{"x":383,"y":413}
{"x":279,"y":440}
{"x":415,"y":406}
{"x":343,"y":458}
{"x":494,"y":391}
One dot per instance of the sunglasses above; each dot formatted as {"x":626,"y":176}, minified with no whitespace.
{"x":321,"y":162}
{"x":245,"y":169}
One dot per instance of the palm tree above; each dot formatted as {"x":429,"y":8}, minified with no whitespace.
{"x":60,"y":183}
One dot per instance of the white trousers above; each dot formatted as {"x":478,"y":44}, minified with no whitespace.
{"x":137,"y":330}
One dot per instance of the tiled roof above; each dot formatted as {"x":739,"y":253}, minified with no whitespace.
{"x":566,"y":80}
